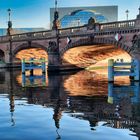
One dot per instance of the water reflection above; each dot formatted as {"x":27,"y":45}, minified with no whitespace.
{"x":126,"y":99}
{"x":56,"y":113}
{"x":118,"y":92}
{"x":33,"y":80}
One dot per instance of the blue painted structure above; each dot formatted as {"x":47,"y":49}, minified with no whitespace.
{"x":33,"y":64}
{"x":31,"y":80}
{"x":123,"y":69}
{"x":117,"y":92}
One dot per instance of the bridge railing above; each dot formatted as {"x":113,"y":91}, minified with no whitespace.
{"x":32,"y":35}
{"x":44,"y":34}
{"x":118,"y":24}
{"x":72,"y":31}
{"x":28,"y":36}
{"x":51,"y":33}
{"x":4,"y":38}
{"x":75,"y":31}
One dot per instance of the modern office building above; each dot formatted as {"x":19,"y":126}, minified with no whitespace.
{"x":78,"y":16}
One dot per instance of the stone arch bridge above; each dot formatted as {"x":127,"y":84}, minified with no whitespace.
{"x":123,"y":34}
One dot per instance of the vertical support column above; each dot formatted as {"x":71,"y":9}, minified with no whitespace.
{"x":23,"y":66}
{"x":136,"y":97}
{"x":54,"y":60}
{"x":31,"y":66}
{"x":23,"y":80}
{"x":44,"y":79}
{"x":32,"y":79}
{"x":136,"y":70}
{"x":110,"y":70}
{"x":110,"y":93}
{"x":132,"y":70}
{"x":10,"y":53}
{"x":43,"y":65}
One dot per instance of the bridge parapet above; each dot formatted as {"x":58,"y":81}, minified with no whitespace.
{"x":68,"y":31}
{"x":32,"y":36}
{"x":118,"y":25}
{"x":43,"y":35}
{"x":122,"y":27}
{"x":4,"y":39}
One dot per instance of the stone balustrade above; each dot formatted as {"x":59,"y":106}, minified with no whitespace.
{"x":104,"y":29}
{"x":118,"y":25}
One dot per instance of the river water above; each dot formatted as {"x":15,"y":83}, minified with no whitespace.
{"x":68,"y":106}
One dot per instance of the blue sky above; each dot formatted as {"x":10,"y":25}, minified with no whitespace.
{"x":35,"y":13}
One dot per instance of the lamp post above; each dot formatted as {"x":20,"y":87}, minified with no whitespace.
{"x":127,"y":12}
{"x":78,"y":20}
{"x":9,"y":22}
{"x":9,"y":34}
{"x":9,"y":13}
{"x":56,"y":16}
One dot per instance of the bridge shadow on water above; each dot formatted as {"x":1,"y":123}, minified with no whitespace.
{"x":113,"y":108}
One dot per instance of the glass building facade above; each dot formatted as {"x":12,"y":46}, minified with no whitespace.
{"x":81,"y":17}
{"x":78,"y":16}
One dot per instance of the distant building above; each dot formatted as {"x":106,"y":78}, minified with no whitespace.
{"x":3,"y":31}
{"x":78,"y":16}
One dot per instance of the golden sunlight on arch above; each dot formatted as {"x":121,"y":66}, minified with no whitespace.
{"x":31,"y":53}
{"x":94,"y":54}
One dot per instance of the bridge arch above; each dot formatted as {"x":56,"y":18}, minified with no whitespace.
{"x":28,"y":46}
{"x":117,"y":44}
{"x":77,"y":43}
{"x":98,"y":41}
{"x":108,"y":48}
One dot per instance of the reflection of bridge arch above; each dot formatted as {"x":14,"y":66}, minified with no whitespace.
{"x":27,"y":46}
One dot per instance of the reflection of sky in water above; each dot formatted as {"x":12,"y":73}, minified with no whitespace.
{"x":36,"y":122}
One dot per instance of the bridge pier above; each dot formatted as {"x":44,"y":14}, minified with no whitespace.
{"x":54,"y":60}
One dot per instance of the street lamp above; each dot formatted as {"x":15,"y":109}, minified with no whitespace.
{"x":78,"y":20}
{"x":127,"y":12}
{"x":9,"y":13}
{"x":56,"y":16}
{"x":9,"y":21}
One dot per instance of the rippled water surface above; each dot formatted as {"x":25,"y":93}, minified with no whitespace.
{"x":73,"y":106}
